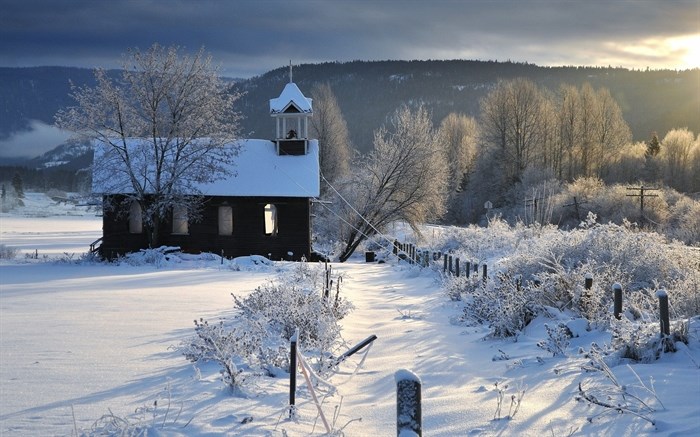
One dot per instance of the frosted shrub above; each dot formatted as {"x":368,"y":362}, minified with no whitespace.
{"x":506,"y":307}
{"x":7,"y":252}
{"x":274,"y":311}
{"x":684,"y":221}
{"x":558,"y":261}
{"x":257,"y":336}
{"x":217,"y":343}
{"x":157,"y":257}
{"x":557,"y":339}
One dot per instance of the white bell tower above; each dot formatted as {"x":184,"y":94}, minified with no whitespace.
{"x":292,"y":112}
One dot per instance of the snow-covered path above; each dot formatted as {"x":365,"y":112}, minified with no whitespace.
{"x":409,"y":319}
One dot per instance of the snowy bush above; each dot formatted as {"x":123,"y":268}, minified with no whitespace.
{"x":214,"y":342}
{"x":156,"y":257}
{"x":557,"y":339}
{"x":7,"y":252}
{"x":502,"y":304}
{"x":273,"y":312}
{"x":257,"y":337}
{"x":553,"y":265}
{"x":639,"y":400}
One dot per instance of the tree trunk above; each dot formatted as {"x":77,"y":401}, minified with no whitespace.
{"x":350,"y":249}
{"x":355,"y":239}
{"x":154,"y":233}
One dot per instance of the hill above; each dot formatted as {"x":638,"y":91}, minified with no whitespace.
{"x":654,"y":100}
{"x":368,"y":91}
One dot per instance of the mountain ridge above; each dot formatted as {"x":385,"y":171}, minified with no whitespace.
{"x":368,"y":91}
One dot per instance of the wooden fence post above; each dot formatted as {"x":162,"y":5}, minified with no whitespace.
{"x":468,"y":267}
{"x":444,"y":263}
{"x":457,"y":267}
{"x":617,"y":305}
{"x":408,"y":403}
{"x":485,"y":276}
{"x":663,"y":312}
{"x":293,"y":372}
{"x":588,"y":284}
{"x":396,"y":247}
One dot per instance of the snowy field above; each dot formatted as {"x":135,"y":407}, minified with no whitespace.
{"x":81,"y":343}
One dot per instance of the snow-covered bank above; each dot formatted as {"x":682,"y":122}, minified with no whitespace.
{"x":78,"y":341}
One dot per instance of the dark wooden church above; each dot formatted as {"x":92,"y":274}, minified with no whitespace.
{"x":263,"y":210}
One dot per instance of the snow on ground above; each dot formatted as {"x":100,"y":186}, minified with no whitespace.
{"x":81,"y":341}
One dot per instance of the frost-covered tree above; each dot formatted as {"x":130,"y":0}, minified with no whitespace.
{"x":512,"y":125}
{"x":164,"y":127}
{"x":401,"y":179}
{"x":458,"y":136}
{"x":591,"y":131}
{"x":676,"y":155}
{"x":329,"y":127}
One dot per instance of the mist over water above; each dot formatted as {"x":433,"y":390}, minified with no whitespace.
{"x":39,"y":139}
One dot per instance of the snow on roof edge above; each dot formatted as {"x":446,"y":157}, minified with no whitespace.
{"x":258,"y":172}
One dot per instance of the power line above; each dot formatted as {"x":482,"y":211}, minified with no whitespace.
{"x":641,"y":196}
{"x":575,"y":205}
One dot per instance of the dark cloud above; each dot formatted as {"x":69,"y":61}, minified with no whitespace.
{"x":249,"y":37}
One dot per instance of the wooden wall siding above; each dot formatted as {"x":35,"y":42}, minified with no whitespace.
{"x":293,"y":235}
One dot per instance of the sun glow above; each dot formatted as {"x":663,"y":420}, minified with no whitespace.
{"x":688,"y":49}
{"x":682,"y":52}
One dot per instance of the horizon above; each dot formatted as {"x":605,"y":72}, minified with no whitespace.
{"x":316,"y":63}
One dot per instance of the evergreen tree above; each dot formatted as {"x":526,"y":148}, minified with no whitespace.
{"x":18,"y":186}
{"x":653,"y":146}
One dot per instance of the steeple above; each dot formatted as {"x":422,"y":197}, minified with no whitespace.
{"x":291,"y":111}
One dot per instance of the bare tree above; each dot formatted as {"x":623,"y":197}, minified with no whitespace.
{"x":329,"y":127}
{"x":591,"y":131}
{"x":612,"y":132}
{"x":569,"y":134}
{"x":160,"y":131}
{"x":401,"y":179}
{"x":458,"y":136}
{"x":512,"y":121}
{"x":677,"y":153}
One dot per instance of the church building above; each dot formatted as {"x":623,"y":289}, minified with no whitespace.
{"x":263,"y":209}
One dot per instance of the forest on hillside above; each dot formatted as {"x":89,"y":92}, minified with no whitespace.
{"x":539,"y":144}
{"x":368,"y":92}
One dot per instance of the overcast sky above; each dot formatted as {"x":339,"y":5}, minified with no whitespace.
{"x":250,"y":37}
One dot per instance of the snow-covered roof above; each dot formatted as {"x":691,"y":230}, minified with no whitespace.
{"x":258,"y":171}
{"x":290,"y":94}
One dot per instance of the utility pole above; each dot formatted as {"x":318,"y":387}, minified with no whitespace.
{"x":575,"y":205}
{"x":641,"y":196}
